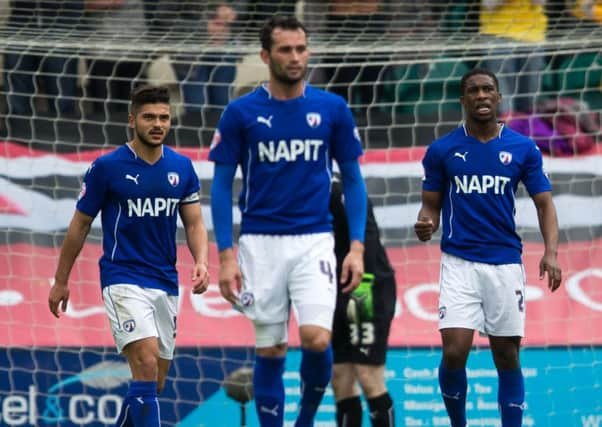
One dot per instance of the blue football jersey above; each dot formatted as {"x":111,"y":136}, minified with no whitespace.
{"x":139,"y":205}
{"x":479,"y":182}
{"x":285,"y":150}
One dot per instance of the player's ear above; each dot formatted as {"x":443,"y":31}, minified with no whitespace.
{"x":131,"y":119}
{"x":265,"y":56}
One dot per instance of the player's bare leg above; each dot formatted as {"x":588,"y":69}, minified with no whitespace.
{"x":162,"y":374}
{"x":343,"y":381}
{"x":452,"y":372}
{"x":511,"y":387}
{"x":347,"y":392}
{"x":380,"y":404}
{"x":141,"y":408}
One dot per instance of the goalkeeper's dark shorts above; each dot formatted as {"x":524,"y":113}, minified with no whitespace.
{"x":365,"y":342}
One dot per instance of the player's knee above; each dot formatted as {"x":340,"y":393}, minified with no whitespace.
{"x":344,"y":389}
{"x":314,"y":338}
{"x":372,"y":380}
{"x":144,"y":366}
{"x":454,"y":357}
{"x":506,"y":358}
{"x":278,"y":350}
{"x":343,"y":382}
{"x":318,"y":342}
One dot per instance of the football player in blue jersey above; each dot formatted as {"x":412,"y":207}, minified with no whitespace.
{"x":471,"y":176}
{"x":140,"y":188}
{"x":285,"y":135}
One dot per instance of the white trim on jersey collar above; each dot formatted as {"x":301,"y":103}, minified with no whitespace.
{"x":499,"y":135}
{"x":265,"y":87}
{"x":134,"y":151}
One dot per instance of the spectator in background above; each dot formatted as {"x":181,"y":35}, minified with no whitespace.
{"x":590,"y":10}
{"x":113,"y":75}
{"x":206,"y":77}
{"x":518,"y":70}
{"x":339,"y":21}
{"x":56,"y":70}
{"x":255,"y":12}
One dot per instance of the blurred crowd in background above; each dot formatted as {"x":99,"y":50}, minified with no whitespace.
{"x":198,"y":47}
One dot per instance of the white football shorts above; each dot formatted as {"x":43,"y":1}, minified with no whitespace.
{"x":280,"y":270}
{"x":484,"y":297}
{"x":135,"y":313}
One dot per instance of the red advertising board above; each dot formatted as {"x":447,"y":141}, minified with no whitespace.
{"x":569,"y":316}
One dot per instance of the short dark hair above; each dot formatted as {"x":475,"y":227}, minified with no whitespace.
{"x":148,"y":94}
{"x":476,"y":72}
{"x":278,"y":21}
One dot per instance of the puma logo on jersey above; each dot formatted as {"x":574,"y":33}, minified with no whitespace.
{"x":267,"y":122}
{"x":272,"y":411}
{"x":460,"y":155}
{"x":481,"y":184}
{"x":132,"y":178}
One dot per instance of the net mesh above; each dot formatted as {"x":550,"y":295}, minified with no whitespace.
{"x":68,"y":67}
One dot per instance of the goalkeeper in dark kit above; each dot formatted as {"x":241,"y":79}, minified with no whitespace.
{"x":361,"y":325}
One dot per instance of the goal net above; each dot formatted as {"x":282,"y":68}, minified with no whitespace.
{"x":67,"y":69}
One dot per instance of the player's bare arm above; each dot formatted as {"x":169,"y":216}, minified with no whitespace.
{"x":79,"y":227}
{"x":428,"y":216}
{"x":353,"y":266}
{"x":230,"y":277}
{"x":548,"y":224}
{"x":196,"y":238}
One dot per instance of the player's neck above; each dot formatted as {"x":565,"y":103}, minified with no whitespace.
{"x":283,"y":92}
{"x":150,"y":154}
{"x":484,"y":132}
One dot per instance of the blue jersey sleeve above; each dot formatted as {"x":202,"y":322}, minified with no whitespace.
{"x":346,"y":142}
{"x":192,"y":186}
{"x":534,"y":177}
{"x":227,"y":140}
{"x":221,"y":204}
{"x":433,"y":179}
{"x":93,"y":191}
{"x":356,"y":199}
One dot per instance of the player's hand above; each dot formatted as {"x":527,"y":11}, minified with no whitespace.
{"x":352,"y":269}
{"x":230,"y":280}
{"x":200,"y":278}
{"x":58,"y":297}
{"x":549,"y":264}
{"x":424,"y":229}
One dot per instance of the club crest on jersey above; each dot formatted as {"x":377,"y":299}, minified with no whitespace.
{"x":173,"y":178}
{"x":313,"y":119}
{"x":129,"y":325}
{"x":505,"y":157}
